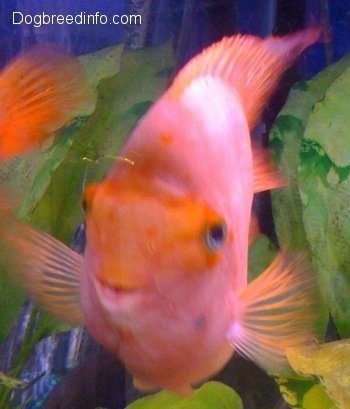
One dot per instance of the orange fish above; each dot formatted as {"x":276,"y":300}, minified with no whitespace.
{"x":163,"y":279}
{"x":40,"y":91}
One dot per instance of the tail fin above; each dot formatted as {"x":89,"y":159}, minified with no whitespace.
{"x":251,"y":65}
{"x":278,"y":312}
{"x":40,"y":91}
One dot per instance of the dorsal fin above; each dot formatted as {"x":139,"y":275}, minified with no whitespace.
{"x":249,"y":64}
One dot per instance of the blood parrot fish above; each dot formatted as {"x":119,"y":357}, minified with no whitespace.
{"x":40,"y":91}
{"x":162,"y":282}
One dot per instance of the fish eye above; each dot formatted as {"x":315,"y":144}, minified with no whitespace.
{"x":215,"y":235}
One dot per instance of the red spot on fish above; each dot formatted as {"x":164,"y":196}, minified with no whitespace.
{"x":151,"y":232}
{"x":166,"y":139}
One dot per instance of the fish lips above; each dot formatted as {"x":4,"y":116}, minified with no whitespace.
{"x":120,"y":301}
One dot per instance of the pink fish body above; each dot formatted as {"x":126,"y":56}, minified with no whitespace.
{"x":163,"y":280}
{"x":194,"y":321}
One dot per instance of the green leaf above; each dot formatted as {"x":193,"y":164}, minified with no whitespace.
{"x":286,"y":140}
{"x":312,"y":211}
{"x":304,"y":393}
{"x":212,"y":395}
{"x":261,"y":254}
{"x":330,"y":363}
{"x":102,"y":63}
{"x":286,"y":204}
{"x":329,"y":120}
{"x":293,"y":389}
{"x":317,"y":398}
{"x":324,"y":186}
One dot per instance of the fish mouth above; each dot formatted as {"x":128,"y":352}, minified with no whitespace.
{"x":119,"y":280}
{"x":117,"y":289}
{"x":115,"y":297}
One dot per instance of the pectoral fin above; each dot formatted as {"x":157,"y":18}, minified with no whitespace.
{"x":277,"y":312}
{"x":46,"y":268}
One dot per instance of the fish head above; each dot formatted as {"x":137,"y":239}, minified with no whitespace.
{"x":152,"y":278}
{"x":140,"y":235}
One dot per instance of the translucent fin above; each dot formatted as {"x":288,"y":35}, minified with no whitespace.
{"x":251,"y":65}
{"x":277,"y":312}
{"x":265,"y":172}
{"x":46,"y":268}
{"x":40,"y":91}
{"x":254,"y":228}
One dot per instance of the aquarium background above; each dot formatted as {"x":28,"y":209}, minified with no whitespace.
{"x":68,"y":370}
{"x":192,"y":24}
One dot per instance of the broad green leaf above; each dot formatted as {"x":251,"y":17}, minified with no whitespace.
{"x":102,"y":63}
{"x":261,"y":254}
{"x":324,"y":186}
{"x":212,"y":395}
{"x":285,"y":140}
{"x":287,"y":210}
{"x":317,"y":398}
{"x":329,"y":118}
{"x":311,"y":212}
{"x":329,"y":362}
{"x":293,"y":389}
{"x":304,"y":393}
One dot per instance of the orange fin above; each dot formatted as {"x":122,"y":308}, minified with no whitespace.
{"x":265,"y":172}
{"x":277,"y":312}
{"x":46,"y":268}
{"x":249,"y":64}
{"x":254,"y":228}
{"x":40,"y":91}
